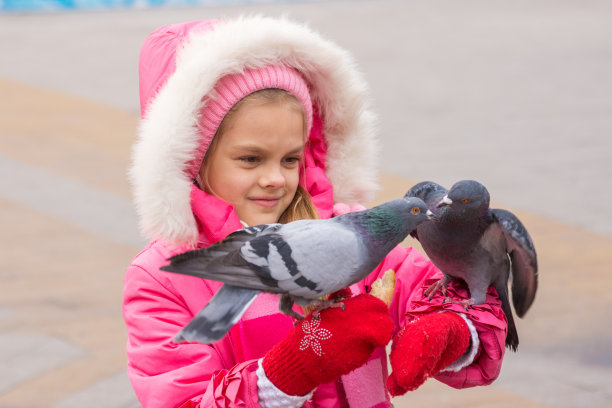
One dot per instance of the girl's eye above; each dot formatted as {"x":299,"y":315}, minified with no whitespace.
{"x":465,"y":201}
{"x":292,"y":160}
{"x":249,"y":159}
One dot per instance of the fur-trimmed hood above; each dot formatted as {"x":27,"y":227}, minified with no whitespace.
{"x":179,"y":66}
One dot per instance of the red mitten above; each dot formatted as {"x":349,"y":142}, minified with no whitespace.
{"x":424,"y":347}
{"x":320,"y":349}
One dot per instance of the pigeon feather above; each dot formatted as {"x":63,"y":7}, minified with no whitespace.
{"x":523,"y":258}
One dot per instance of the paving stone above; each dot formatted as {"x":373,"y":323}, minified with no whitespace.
{"x":92,"y":209}
{"x":111,"y":392}
{"x":26,"y":356}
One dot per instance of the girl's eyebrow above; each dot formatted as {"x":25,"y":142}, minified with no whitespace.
{"x":256,"y":149}
{"x":250,"y":148}
{"x":300,"y":149}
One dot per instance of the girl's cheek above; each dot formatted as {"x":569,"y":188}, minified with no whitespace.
{"x":295,"y":179}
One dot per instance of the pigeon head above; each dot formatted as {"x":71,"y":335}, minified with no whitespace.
{"x":412,"y":211}
{"x":416,"y":213}
{"x":466,"y":198}
{"x":394,"y":220}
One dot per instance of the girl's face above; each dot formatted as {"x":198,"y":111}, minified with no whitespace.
{"x":256,"y":161}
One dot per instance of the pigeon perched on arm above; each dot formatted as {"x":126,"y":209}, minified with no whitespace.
{"x":466,"y":239}
{"x":302,"y":260}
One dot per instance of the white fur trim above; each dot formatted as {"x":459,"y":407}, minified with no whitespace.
{"x":468,"y":357}
{"x":168,"y":137}
{"x":272,"y":397}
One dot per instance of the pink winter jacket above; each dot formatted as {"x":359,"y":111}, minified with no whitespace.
{"x":178,"y":65}
{"x":158,"y":304}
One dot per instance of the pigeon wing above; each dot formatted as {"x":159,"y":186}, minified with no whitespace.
{"x":302,"y":258}
{"x":308,"y":258}
{"x":230,"y":268}
{"x":295,"y":258}
{"x":236,"y":239}
{"x":524,"y":260}
{"x":197,"y":262}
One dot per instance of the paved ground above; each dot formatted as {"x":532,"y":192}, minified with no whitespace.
{"x":516,"y":94}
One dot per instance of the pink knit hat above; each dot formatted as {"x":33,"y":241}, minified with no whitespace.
{"x":232,"y":88}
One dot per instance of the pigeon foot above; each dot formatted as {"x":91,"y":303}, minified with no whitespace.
{"x":297,"y":316}
{"x":326,"y":304}
{"x":439,"y":286}
{"x":466,"y":303}
{"x":285,"y":305}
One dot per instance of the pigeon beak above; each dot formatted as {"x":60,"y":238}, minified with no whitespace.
{"x":445,"y":201}
{"x":430,"y":215}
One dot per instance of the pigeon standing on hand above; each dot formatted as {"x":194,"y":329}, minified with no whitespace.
{"x":468,"y":240}
{"x":302,"y":260}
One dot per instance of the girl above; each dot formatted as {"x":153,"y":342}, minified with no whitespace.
{"x":254,"y":121}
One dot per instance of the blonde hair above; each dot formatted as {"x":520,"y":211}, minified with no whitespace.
{"x":301,"y":207}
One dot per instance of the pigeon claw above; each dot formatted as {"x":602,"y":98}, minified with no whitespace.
{"x":296,"y":316}
{"x":439,"y":286}
{"x":322,"y":304}
{"x":466,"y":303}
{"x":316,"y":314}
{"x":333,"y":303}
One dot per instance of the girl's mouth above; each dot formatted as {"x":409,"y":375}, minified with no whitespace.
{"x":266,"y":201}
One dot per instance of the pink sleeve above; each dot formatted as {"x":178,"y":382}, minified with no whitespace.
{"x":414,"y":274}
{"x":236,"y":387}
{"x":165,"y":374}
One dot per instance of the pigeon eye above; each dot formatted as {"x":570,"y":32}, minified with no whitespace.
{"x":465,"y":201}
{"x":415,"y":210}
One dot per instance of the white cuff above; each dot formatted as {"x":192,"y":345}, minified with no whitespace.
{"x":468,"y":357}
{"x":272,"y":397}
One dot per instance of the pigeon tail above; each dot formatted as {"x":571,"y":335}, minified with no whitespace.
{"x":523,"y":259}
{"x":219,"y":315}
{"x":512,"y":340}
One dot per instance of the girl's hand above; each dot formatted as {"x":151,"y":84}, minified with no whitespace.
{"x":327,"y":344}
{"x":425,"y":346}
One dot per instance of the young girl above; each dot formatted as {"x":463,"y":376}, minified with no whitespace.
{"x":255,"y":121}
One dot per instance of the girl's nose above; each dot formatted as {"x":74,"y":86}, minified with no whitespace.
{"x":272,"y":177}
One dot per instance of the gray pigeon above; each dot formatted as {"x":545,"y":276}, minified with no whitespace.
{"x":302,"y":260}
{"x":466,"y":239}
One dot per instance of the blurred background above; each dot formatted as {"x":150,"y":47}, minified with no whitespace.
{"x":516,"y":94}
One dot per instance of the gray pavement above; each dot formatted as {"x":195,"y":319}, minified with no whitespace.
{"x":516,"y":94}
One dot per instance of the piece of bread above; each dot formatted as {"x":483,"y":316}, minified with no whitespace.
{"x":384,"y":287}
